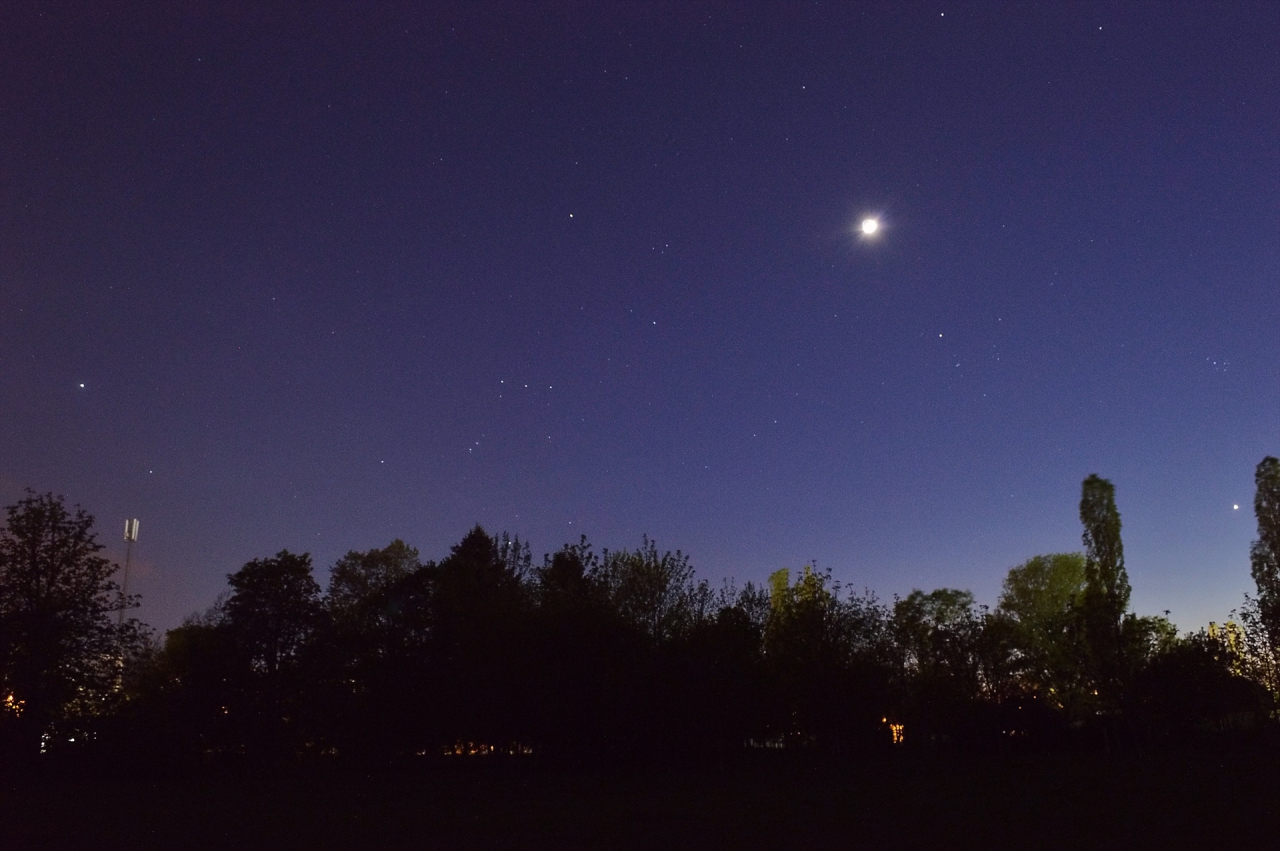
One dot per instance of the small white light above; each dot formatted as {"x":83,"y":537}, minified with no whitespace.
{"x":870,"y":226}
{"x":81,"y":386}
{"x":1235,"y":508}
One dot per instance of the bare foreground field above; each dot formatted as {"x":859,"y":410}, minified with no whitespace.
{"x":1188,"y":799}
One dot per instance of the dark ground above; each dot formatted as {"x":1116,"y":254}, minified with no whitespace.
{"x":1187,"y":799}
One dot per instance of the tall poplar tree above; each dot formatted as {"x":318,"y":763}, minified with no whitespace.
{"x":1264,"y":554}
{"x":1106,"y":589}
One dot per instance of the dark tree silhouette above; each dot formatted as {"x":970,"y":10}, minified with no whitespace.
{"x":1040,"y":600}
{"x":479,"y":602}
{"x":1106,"y":589}
{"x":655,"y":592}
{"x":273,"y":615}
{"x":826,"y":661}
{"x":937,"y":636}
{"x":273,"y":608}
{"x":369,"y":657}
{"x":1194,"y":686}
{"x":60,"y":651}
{"x":726,"y":689}
{"x":584,"y":656}
{"x":199,"y":694}
{"x":628,"y":656}
{"x":1264,"y":554}
{"x":360,"y":585}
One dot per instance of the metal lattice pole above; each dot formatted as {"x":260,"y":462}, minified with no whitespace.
{"x":130,"y":535}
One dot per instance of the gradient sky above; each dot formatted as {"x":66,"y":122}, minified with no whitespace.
{"x":321,"y":278}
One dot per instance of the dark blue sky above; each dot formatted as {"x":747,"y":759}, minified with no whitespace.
{"x":335,"y":276}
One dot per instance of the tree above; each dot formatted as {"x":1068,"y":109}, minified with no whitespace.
{"x":936,"y":634}
{"x":271,"y":617}
{"x":823,"y":656}
{"x":655,"y":592}
{"x":366,"y":656}
{"x":938,"y":654}
{"x":566,"y":579}
{"x":195,"y":693}
{"x":1040,"y":601}
{"x":1041,"y":590}
{"x":60,"y":652}
{"x":802,"y":635}
{"x":480,"y":585}
{"x":726,"y":687}
{"x":1259,"y":655}
{"x":1264,"y":554}
{"x":580,"y":649}
{"x":360,"y":585}
{"x":273,"y":608}
{"x":1143,"y":638}
{"x":478,"y":644}
{"x":1106,"y":589}
{"x":1197,"y":684}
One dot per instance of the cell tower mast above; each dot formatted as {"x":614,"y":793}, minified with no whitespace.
{"x":130,"y":535}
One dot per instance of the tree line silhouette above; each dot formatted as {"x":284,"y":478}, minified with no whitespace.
{"x":611,"y":656}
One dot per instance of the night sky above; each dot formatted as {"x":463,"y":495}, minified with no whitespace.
{"x":320,"y":278}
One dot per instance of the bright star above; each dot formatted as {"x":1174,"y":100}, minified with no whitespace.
{"x":870,"y":226}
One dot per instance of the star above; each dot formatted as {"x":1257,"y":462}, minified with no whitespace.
{"x":869,"y":227}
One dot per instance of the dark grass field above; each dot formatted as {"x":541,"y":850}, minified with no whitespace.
{"x":1188,"y":799}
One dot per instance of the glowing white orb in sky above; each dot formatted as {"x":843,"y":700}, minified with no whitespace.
{"x":870,"y":226}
